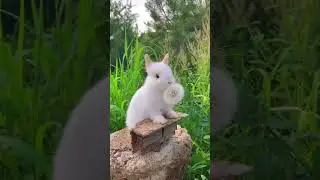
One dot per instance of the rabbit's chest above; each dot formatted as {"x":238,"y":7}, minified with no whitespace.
{"x":150,"y":99}
{"x":156,"y":101}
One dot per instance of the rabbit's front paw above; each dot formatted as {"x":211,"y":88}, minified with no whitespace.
{"x":131,"y":127}
{"x":159,"y":119}
{"x":172,"y":115}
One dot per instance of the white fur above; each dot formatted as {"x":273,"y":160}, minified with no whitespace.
{"x":148,"y":100}
{"x":173,"y":94}
{"x":225,"y":96}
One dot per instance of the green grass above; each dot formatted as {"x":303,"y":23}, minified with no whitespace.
{"x":126,"y":79}
{"x":277,"y":72}
{"x":43,"y":74}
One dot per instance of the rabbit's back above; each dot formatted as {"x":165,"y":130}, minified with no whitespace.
{"x":81,"y":152}
{"x":225,"y":99}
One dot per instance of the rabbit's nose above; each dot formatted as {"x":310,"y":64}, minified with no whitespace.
{"x":169,"y":82}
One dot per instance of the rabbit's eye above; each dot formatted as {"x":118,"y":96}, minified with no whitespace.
{"x":157,"y":76}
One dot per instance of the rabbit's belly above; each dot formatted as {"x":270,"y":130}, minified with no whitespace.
{"x":154,"y":107}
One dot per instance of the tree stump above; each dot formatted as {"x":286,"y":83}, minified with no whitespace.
{"x":150,"y":151}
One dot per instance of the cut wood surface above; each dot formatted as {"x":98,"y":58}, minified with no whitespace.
{"x":147,"y":127}
{"x":149,"y":136}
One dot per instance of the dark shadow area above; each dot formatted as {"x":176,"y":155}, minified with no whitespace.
{"x":271,"y":50}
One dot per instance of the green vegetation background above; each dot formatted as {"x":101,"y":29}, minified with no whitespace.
{"x":271,"y":48}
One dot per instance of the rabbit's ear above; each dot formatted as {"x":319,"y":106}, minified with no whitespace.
{"x":147,"y":60}
{"x":165,"y":60}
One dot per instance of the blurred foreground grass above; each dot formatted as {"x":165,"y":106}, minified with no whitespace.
{"x":43,"y":74}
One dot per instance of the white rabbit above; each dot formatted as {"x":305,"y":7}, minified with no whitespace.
{"x":81,"y":154}
{"x":224,"y":98}
{"x":148,"y":101}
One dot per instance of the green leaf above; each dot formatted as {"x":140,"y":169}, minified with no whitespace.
{"x":26,"y":152}
{"x":206,"y":137}
{"x":316,"y":162}
{"x":281,"y":124}
{"x":203,"y":177}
